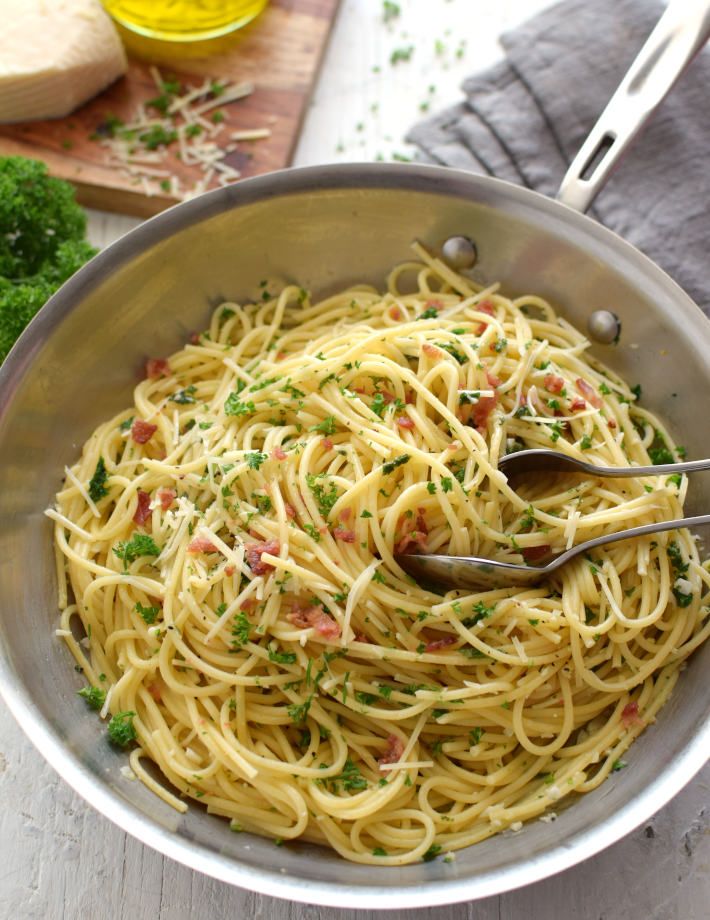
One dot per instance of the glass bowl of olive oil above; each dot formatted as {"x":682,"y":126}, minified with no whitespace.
{"x":183,"y":20}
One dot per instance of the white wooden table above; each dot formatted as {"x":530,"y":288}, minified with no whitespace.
{"x":59,"y":859}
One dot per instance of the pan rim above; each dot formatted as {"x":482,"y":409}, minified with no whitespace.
{"x":425,"y":178}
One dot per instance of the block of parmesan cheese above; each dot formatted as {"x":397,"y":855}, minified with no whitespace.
{"x":54,"y":56}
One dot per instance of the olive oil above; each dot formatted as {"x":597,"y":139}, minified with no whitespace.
{"x":183,"y":20}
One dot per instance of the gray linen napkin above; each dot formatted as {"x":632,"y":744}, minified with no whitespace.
{"x":525,"y":118}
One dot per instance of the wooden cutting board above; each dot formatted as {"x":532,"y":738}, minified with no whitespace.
{"x":280,"y":53}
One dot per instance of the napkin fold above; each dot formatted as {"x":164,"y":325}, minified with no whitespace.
{"x":525,"y":118}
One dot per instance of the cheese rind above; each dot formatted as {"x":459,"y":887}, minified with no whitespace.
{"x":54,"y":56}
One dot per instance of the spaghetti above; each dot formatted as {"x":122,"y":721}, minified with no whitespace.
{"x":226,"y":548}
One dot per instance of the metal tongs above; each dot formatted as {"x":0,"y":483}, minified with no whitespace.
{"x":471,"y":572}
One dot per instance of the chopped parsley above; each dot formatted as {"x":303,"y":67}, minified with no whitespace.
{"x":429,"y":313}
{"x":325,"y":494}
{"x":282,"y":657}
{"x":390,"y":11}
{"x":157,"y":136}
{"x":298,"y":712}
{"x":378,"y":404}
{"x":480,"y":612}
{"x":312,"y":532}
{"x":392,"y":465}
{"x":234,"y":406}
{"x":555,"y":431}
{"x":351,"y":778}
{"x":139,"y":545}
{"x":263,"y":503}
{"x":94,"y":697}
{"x":185,"y":396}
{"x":240,"y":630}
{"x":432,"y":852}
{"x":148,"y":614}
{"x":659,"y":452}
{"x":121,"y":730}
{"x":680,"y":569}
{"x":293,"y":391}
{"x":255,"y":458}
{"x":585,"y":443}
{"x":97,"y":484}
{"x":326,"y":427}
{"x":453,"y":351}
{"x":401,"y":54}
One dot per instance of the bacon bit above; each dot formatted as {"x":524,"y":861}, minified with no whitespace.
{"x":393,"y":751}
{"x":143,"y":508}
{"x":142,"y":432}
{"x":493,"y":381}
{"x":414,"y":533}
{"x":195,"y":338}
{"x":479,"y":413}
{"x":553,"y":383}
{"x":630,"y":715}
{"x":154,"y":690}
{"x":611,"y":422}
{"x":404,"y":421}
{"x":409,"y":397}
{"x":229,"y":570}
{"x":360,"y":390}
{"x":290,"y":510}
{"x":435,"y":644}
{"x":436,"y":304}
{"x":254,"y":552}
{"x":315,"y":618}
{"x":156,"y":367}
{"x":248,"y":605}
{"x":533,"y":553}
{"x":327,"y":444}
{"x":396,"y":313}
{"x":166,"y":497}
{"x":588,"y":392}
{"x":347,"y":536}
{"x":431,"y":351}
{"x":360,"y":638}
{"x":387,"y":397}
{"x":482,"y":411}
{"x":345,"y":514}
{"x":484,"y":307}
{"x":278,"y":453}
{"x":201,"y":545}
{"x":280,"y":355}
{"x":577,"y":404}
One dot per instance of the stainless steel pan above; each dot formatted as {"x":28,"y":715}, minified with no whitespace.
{"x":323,"y":227}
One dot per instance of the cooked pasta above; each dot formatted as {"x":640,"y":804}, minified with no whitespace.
{"x":225,"y":547}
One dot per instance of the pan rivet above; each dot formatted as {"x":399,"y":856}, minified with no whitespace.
{"x":604,"y":327}
{"x":460,"y":252}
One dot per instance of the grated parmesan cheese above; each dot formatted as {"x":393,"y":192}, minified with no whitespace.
{"x":142,"y":146}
